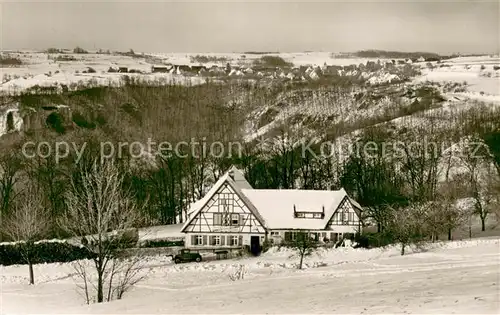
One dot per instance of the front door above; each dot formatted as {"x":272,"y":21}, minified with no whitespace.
{"x":255,"y":245}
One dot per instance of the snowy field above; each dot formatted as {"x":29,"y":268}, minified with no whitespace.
{"x":483,"y":81}
{"x":452,"y":277}
{"x":44,"y":70}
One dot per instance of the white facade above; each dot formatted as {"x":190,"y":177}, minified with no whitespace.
{"x":234,"y":215}
{"x":224,"y":220}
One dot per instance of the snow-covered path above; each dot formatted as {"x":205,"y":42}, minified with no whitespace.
{"x":442,"y":281}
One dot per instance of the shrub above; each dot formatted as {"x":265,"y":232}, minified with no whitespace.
{"x":56,"y":122}
{"x":238,"y":274}
{"x":81,"y":121}
{"x":161,"y":243}
{"x":10,"y":61}
{"x":53,"y":50}
{"x":79,"y":50}
{"x":43,"y":252}
{"x":272,"y":61}
{"x":64,"y":58}
{"x":205,"y":59}
{"x":370,"y":240}
{"x":496,"y":67}
{"x":266,"y":245}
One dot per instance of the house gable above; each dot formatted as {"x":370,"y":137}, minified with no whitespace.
{"x":226,"y":210}
{"x":345,"y":214}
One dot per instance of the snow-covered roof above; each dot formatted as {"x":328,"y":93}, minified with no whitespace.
{"x":235,"y":178}
{"x":235,"y":174}
{"x":274,"y":208}
{"x":277,"y":206}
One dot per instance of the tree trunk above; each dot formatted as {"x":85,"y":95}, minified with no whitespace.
{"x":449,"y":234}
{"x":402,"y":249}
{"x":32,"y":275}
{"x":301,"y":259}
{"x":100,"y":295}
{"x":483,"y":225}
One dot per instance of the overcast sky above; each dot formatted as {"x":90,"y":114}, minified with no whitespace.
{"x":238,"y":26}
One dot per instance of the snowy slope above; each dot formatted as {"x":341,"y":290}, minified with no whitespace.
{"x":478,"y":72}
{"x":459,"y":277}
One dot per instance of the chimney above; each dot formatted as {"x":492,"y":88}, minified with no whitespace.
{"x":231,"y":173}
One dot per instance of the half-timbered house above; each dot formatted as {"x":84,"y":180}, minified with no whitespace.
{"x":233,"y":214}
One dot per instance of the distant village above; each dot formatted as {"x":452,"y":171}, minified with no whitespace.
{"x":386,"y":71}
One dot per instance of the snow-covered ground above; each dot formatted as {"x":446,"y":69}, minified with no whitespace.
{"x":483,"y":81}
{"x":44,"y":69}
{"x":297,"y":58}
{"x":453,"y":277}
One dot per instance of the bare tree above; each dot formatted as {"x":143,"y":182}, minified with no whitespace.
{"x":97,"y":207}
{"x":10,"y":167}
{"x":28,"y":222}
{"x":126,"y":272}
{"x":476,"y":158}
{"x":406,"y":224}
{"x":303,"y":243}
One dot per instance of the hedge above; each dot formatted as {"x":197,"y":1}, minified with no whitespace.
{"x":370,"y":240}
{"x":43,"y":252}
{"x":161,"y":243}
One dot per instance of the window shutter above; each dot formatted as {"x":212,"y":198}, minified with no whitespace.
{"x":204,"y":240}
{"x":228,"y":239}
{"x":211,"y":239}
{"x":193,"y":239}
{"x":242,"y":219}
{"x":222,"y":240}
{"x":240,"y":240}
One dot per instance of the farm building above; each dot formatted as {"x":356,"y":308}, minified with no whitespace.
{"x":233,"y":214}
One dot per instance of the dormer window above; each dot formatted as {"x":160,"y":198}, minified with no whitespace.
{"x":308,"y":214}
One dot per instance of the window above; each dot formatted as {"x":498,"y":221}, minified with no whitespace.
{"x":275,"y":233}
{"x":345,"y":217}
{"x":216,"y":240}
{"x":198,"y":240}
{"x":226,"y":206}
{"x":235,"y":219}
{"x":317,"y":215}
{"x":217,"y":218}
{"x":300,"y":215}
{"x":234,"y":240}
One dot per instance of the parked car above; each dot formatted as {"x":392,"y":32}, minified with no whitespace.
{"x":186,"y":255}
